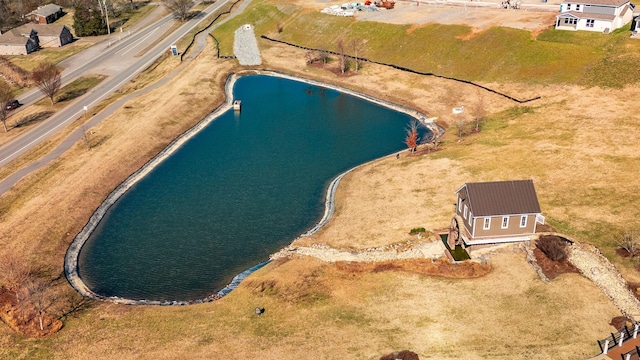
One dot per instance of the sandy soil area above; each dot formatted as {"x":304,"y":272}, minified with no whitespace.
{"x":534,"y":16}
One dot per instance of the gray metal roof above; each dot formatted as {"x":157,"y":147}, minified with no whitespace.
{"x":47,"y":10}
{"x":501,"y":198}
{"x":615,"y":3}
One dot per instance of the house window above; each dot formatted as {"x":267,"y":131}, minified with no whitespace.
{"x":577,"y":7}
{"x":505,"y":222}
{"x":590,"y":22}
{"x":459,"y":205}
{"x":487,"y":224}
{"x":570,"y":21}
{"x":568,"y":7}
{"x":470,"y":217}
{"x":523,"y":221}
{"x":465,"y":211}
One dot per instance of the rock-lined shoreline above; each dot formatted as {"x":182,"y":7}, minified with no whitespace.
{"x":71,"y":256}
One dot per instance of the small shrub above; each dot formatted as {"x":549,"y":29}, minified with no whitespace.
{"x":553,"y":246}
{"x":417,"y":230}
{"x":629,"y":242}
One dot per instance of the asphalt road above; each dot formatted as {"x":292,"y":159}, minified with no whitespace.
{"x":121,"y":57}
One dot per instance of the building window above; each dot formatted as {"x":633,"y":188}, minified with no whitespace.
{"x":470,"y":217}
{"x":465,"y":211}
{"x":505,"y":222}
{"x":577,"y":7}
{"x":590,"y":22}
{"x":568,"y":7}
{"x":459,"y":205}
{"x":487,"y":224}
{"x":523,"y":221}
{"x":570,"y":21}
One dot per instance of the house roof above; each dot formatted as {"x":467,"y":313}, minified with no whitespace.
{"x":47,"y":10}
{"x":615,"y":3}
{"x":42,"y":29}
{"x":13,"y":37}
{"x":501,"y":198}
{"x":580,"y":15}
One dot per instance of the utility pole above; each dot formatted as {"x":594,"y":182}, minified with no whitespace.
{"x":106,"y":14}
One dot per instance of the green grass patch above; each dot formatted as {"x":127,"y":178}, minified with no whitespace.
{"x":51,"y":55}
{"x":262,"y":16}
{"x":129,"y":16}
{"x":78,"y":88}
{"x":496,"y":55}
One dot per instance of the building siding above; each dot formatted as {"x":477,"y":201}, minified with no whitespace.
{"x":496,"y":230}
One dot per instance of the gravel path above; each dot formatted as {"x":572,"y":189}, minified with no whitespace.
{"x":594,"y":266}
{"x":430,"y":250}
{"x":245,"y":46}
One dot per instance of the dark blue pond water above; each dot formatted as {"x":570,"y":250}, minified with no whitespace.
{"x":243,"y":188}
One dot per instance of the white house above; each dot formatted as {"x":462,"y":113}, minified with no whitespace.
{"x":594,"y":15}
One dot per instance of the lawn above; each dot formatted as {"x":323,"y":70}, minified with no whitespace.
{"x":497,"y":55}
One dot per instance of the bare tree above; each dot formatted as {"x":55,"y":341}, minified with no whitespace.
{"x":357,"y":45}
{"x":341,"y":55}
{"x":14,"y":270}
{"x":479,"y":111}
{"x":6,"y":94}
{"x":324,"y":56}
{"x":311,"y":56}
{"x":47,"y":78}
{"x":434,"y":139}
{"x":38,"y":297}
{"x":412,"y":137}
{"x":180,"y":8}
{"x":630,"y":242}
{"x":461,"y":127}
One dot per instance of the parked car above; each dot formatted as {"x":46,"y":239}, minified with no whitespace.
{"x":12,"y":104}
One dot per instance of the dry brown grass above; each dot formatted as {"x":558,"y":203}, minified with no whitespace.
{"x":569,"y":143}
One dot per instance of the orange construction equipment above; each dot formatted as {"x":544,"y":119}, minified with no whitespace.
{"x":386,"y":4}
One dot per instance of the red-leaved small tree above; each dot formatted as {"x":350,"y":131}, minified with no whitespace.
{"x":412,"y":136}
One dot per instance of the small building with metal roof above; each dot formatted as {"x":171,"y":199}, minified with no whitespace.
{"x":495,"y":212}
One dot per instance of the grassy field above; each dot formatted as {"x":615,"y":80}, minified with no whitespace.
{"x":578,"y":144}
{"x":496,"y":55}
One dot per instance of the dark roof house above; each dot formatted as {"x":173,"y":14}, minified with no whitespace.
{"x":495,"y":212}
{"x":14,"y":42}
{"x":49,"y":35}
{"x":45,"y":14}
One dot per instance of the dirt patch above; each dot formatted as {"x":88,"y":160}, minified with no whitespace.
{"x":334,"y":69}
{"x":13,"y":73}
{"x":23,"y":317}
{"x":401,"y":355}
{"x":619,"y":322}
{"x":478,"y":16}
{"x":553,"y":269}
{"x":439,"y":267}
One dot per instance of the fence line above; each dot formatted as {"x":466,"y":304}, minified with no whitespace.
{"x":619,"y":338}
{"x":402,"y":68}
{"x":205,"y":28}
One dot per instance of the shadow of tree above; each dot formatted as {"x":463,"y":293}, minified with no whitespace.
{"x":33,"y":118}
{"x":71,"y":94}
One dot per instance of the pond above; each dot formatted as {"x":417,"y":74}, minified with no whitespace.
{"x":242,"y":188}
